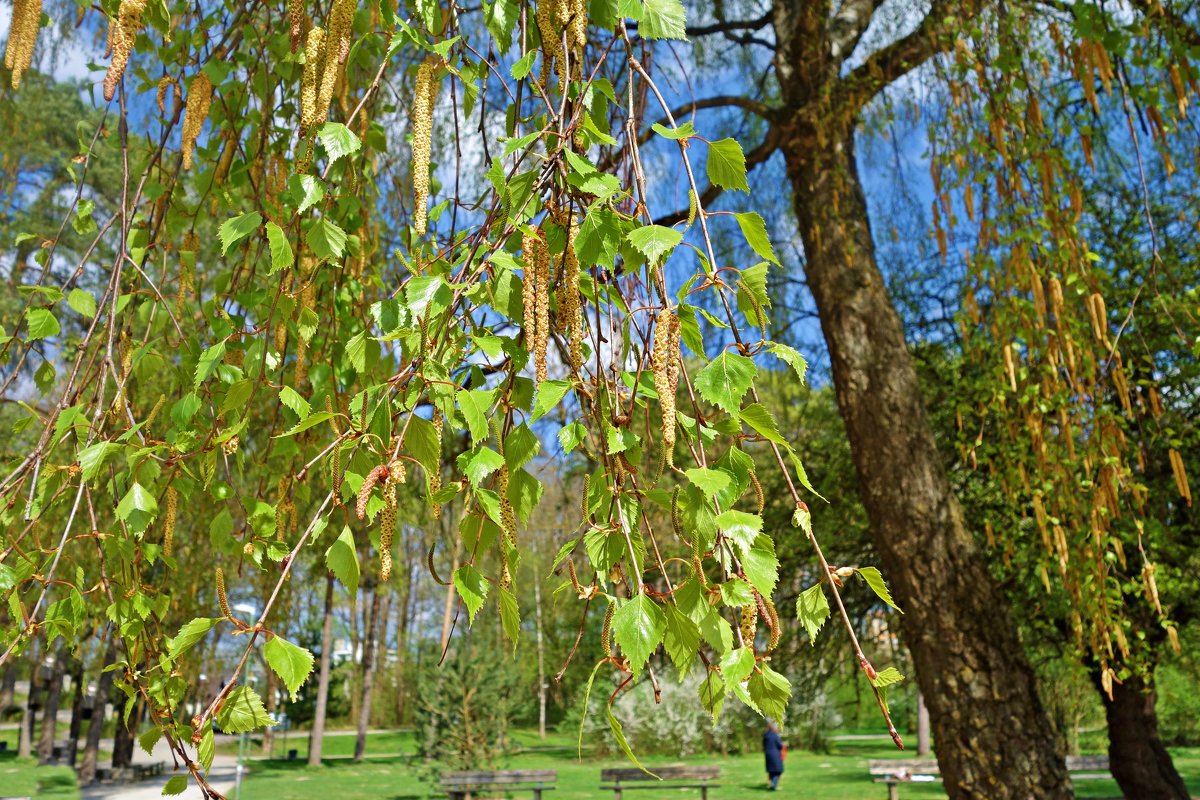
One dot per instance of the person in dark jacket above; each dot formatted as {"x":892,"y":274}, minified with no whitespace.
{"x":773,"y":750}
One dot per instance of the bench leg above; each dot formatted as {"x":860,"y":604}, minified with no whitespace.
{"x":893,"y":791}
{"x":704,"y":792}
{"x":537,"y":793}
{"x":617,"y":792}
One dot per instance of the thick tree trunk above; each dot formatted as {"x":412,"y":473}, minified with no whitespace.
{"x":370,"y":657}
{"x":125,"y":733}
{"x":45,"y":746}
{"x":91,"y":750}
{"x":79,"y":687}
{"x":28,"y":719}
{"x":994,"y":738}
{"x":1136,"y":754}
{"x":923,"y":745}
{"x":8,"y":686}
{"x":317,"y":738}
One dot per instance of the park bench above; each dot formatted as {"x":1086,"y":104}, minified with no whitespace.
{"x":465,"y":785}
{"x":662,"y":778}
{"x":894,"y":772}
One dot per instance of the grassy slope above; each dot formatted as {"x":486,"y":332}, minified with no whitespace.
{"x":24,"y":778}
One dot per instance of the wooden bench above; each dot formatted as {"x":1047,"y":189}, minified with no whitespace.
{"x":663,"y":778}
{"x":894,"y":772}
{"x":465,"y":785}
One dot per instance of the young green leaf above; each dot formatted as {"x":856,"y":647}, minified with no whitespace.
{"x":281,"y":249}
{"x":176,"y":785}
{"x":725,"y":381}
{"x":191,"y":633}
{"x":638,"y":627}
{"x":654,"y":241}
{"x":292,"y":663}
{"x":681,"y":640}
{"x":243,"y":711}
{"x":812,"y":609}
{"x":663,"y":19}
{"x":770,"y":691}
{"x":234,"y":230}
{"x":338,"y":140}
{"x":875,"y":580}
{"x":327,"y":240}
{"x":472,"y":588}
{"x":755,"y":231}
{"x":727,"y":165}
{"x":342,"y":560}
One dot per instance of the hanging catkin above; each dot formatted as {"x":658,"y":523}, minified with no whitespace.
{"x":570,"y":309}
{"x":198,"y":101}
{"x":664,"y":363}
{"x":297,"y":19}
{"x":310,"y":82}
{"x":547,"y":12}
{"x":424,"y":100}
{"x":22,"y":35}
{"x":435,"y":474}
{"x":364,"y":491}
{"x":336,"y":47}
{"x":222,"y":598}
{"x":124,"y":31}
{"x":168,"y":545}
{"x":387,"y":519}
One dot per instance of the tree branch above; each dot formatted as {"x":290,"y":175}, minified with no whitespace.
{"x":720,"y":101}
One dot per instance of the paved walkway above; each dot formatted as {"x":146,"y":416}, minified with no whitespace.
{"x":221,"y":777}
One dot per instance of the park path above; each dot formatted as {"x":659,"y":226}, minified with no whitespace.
{"x":221,"y":777}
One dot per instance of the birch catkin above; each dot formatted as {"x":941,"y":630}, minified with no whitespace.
{"x":337,"y":47}
{"x":124,"y":31}
{"x":424,"y":100}
{"x":535,"y":299}
{"x":570,"y":309}
{"x":664,"y":363}
{"x":435,"y":474}
{"x":296,"y":18}
{"x":310,"y":82}
{"x":198,"y":101}
{"x":22,"y":35}
{"x":387,"y":519}
{"x":169,"y":521}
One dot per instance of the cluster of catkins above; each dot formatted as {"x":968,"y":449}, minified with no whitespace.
{"x":199,"y":100}
{"x":22,"y":35}
{"x":535,"y":296}
{"x":325,"y":51}
{"x":122,"y":32}
{"x":560,"y":21}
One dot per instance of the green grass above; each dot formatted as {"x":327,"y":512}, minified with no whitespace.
{"x":22,"y":777}
{"x":839,"y":775}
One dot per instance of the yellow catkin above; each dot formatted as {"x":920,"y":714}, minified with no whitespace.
{"x":508,"y":525}
{"x":535,"y":298}
{"x":160,"y":97}
{"x":364,"y":491}
{"x":387,"y":519}
{"x":1181,"y":479}
{"x":310,"y":81}
{"x":760,"y":499}
{"x":546,"y":16}
{"x":336,"y":47}
{"x":222,"y":598}
{"x":230,"y":446}
{"x":773,"y":623}
{"x":570,"y":308}
{"x":281,"y":506}
{"x":22,"y":36}
{"x":172,"y":503}
{"x":336,"y":474}
{"x":606,"y":631}
{"x":296,"y":18}
{"x":424,"y":100}
{"x":124,"y":31}
{"x":577,"y":28}
{"x":198,"y":101}
{"x":664,"y":363}
{"x":749,"y":624}
{"x":435,"y":474}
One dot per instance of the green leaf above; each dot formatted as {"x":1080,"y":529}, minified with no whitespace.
{"x":887,"y":677}
{"x":338,"y":140}
{"x":549,"y":395}
{"x":137,"y":508}
{"x":234,"y":230}
{"x":709,"y":481}
{"x":755,"y":231}
{"x":484,"y":462}
{"x":684,"y":131}
{"x":791,"y":357}
{"x":638,"y":627}
{"x":295,"y":401}
{"x":712,"y":694}
{"x":243,"y":712}
{"x":763,"y":423}
{"x":472,"y":588}
{"x":281,"y":250}
{"x":812,"y":609}
{"x":681,"y":640}
{"x":207,"y":748}
{"x":737,"y":665}
{"x":654,"y":241}
{"x":874,"y":579}
{"x":510,"y":615}
{"x":741,"y":527}
{"x":770,"y":692}
{"x":736,"y":593}
{"x":210,"y":359}
{"x":311,"y":191}
{"x":176,"y":785}
{"x":83,"y":302}
{"x":42,"y":324}
{"x":727,"y":165}
{"x":599,"y":237}
{"x":327,"y":240}
{"x":762,"y":565}
{"x":618,"y":733}
{"x":292,"y":663}
{"x":475,"y":405}
{"x":663,"y":19}
{"x":93,"y":458}
{"x":521,"y":68}
{"x":725,"y":381}
{"x":342,"y":560}
{"x":191,"y":633}
{"x":308,"y":422}
{"x":149,"y":738}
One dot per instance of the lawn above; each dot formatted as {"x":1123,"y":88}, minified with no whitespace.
{"x":22,"y":777}
{"x":839,"y":775}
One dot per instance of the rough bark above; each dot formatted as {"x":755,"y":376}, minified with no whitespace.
{"x":317,"y":737}
{"x":923,"y":744}
{"x":91,"y":750}
{"x":45,"y":745}
{"x":994,"y":738}
{"x":1136,"y":754}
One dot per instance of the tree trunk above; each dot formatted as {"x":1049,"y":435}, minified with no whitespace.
{"x":1136,"y":754}
{"x":271,"y":703}
{"x":923,"y":747}
{"x":403,"y":615}
{"x":123,"y":738}
{"x":370,"y":656}
{"x":317,"y":737}
{"x":45,"y":746}
{"x":541,"y":653}
{"x":91,"y":750}
{"x":25,"y":739}
{"x":79,"y":685}
{"x":994,"y":738}
{"x":451,"y":597}
{"x":8,"y":686}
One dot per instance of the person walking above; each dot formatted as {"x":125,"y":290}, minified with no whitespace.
{"x":773,"y":750}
